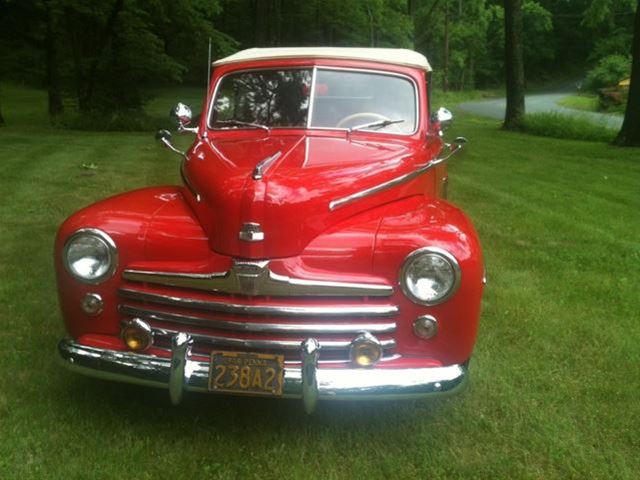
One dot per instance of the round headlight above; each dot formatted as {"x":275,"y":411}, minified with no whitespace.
{"x":430,"y":276}
{"x":90,"y":255}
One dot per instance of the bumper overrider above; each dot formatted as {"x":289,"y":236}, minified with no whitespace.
{"x":306,"y":380}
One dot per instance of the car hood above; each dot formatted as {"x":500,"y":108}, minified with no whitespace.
{"x":290,"y":202}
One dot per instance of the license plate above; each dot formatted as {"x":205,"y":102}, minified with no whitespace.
{"x":246,"y":373}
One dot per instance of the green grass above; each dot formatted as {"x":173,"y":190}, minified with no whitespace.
{"x":555,"y":378}
{"x":586,"y":103}
{"x":589,"y":103}
{"x":558,"y":125}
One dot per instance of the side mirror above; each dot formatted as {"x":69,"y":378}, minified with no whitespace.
{"x":460,"y":142}
{"x":444,"y":117}
{"x":164,"y":137}
{"x":182,"y":115}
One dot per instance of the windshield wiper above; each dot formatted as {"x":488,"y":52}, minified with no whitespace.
{"x":240,"y":123}
{"x":378,"y":124}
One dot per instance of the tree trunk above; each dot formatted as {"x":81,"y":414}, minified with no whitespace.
{"x":412,"y":8}
{"x":372,"y":38}
{"x":629,"y":135}
{"x":103,"y":43}
{"x":51,"y":64}
{"x":276,"y":34}
{"x":261,"y":23}
{"x":514,"y":65}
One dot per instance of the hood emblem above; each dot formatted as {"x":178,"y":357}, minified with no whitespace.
{"x":251,"y":232}
{"x":250,"y":275}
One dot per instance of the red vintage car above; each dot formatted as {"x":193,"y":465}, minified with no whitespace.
{"x":310,"y":253}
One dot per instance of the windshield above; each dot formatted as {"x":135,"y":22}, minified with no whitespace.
{"x":342,"y":99}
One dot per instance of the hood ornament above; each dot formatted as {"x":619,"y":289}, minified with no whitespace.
{"x":251,"y":232}
{"x":263,"y":165}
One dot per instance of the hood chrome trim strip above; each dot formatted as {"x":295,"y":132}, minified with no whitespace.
{"x":449,"y":149}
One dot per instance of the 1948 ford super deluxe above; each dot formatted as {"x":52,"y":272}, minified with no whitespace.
{"x":310,"y":252}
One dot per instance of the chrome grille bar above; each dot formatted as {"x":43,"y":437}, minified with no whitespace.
{"x":276,"y":310}
{"x":253,"y":327}
{"x":260,"y":344}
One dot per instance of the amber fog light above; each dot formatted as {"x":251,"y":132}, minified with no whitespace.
{"x":425,"y":326}
{"x":137,"y":335}
{"x":366,"y":350}
{"x":92,"y":304}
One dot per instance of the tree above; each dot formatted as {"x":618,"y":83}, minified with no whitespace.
{"x":514,"y":65}
{"x":52,"y":70}
{"x":629,"y":135}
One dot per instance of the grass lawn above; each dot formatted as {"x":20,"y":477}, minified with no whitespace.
{"x":555,"y":379}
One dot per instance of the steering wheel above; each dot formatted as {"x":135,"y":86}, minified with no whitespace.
{"x":362,"y":116}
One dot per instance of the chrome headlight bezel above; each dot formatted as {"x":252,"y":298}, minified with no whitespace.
{"x":441,"y":253}
{"x":111,"y":250}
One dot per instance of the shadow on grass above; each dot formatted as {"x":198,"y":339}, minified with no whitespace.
{"x":99,"y":400}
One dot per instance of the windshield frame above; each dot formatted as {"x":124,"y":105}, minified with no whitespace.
{"x":314,"y":71}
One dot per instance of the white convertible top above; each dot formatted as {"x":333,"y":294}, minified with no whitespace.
{"x":395,"y":56}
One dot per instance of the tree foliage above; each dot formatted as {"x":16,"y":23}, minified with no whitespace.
{"x":104,"y":54}
{"x":609,"y":71}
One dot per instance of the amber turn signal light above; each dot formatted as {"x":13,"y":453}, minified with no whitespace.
{"x":366,"y":350}
{"x":137,"y":335}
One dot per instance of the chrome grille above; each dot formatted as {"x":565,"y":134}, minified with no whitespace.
{"x":274,"y":317}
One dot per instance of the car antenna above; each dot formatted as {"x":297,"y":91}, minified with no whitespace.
{"x":209,"y":67}
{"x":208,"y":79}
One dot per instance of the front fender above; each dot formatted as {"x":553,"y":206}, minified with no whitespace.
{"x":419,"y":222}
{"x":144,"y":224}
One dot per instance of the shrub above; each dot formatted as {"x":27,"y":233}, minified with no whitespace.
{"x":609,"y":71}
{"x":557,"y":125}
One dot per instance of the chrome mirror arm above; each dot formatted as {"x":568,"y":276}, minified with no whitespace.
{"x":164,"y":137}
{"x":451,"y":149}
{"x":182,"y":129}
{"x":170,"y":146}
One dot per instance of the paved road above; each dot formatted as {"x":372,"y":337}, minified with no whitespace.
{"x":546,"y":102}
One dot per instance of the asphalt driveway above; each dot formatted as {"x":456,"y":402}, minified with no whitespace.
{"x":539,"y":103}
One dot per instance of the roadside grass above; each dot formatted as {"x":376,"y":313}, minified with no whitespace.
{"x":588,"y":103}
{"x":555,"y":377}
{"x":558,"y":125}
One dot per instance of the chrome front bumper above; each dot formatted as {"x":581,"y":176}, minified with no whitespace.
{"x":308,"y":382}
